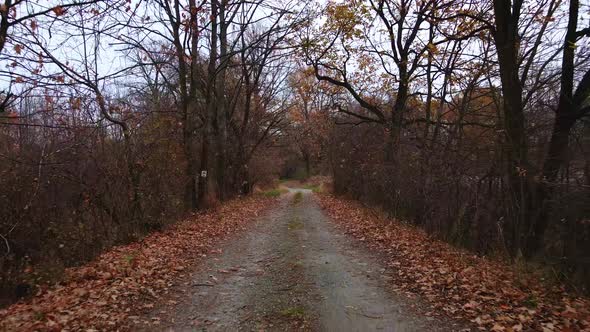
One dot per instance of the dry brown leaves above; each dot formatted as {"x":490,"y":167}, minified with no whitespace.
{"x":102,"y":294}
{"x":490,"y":294}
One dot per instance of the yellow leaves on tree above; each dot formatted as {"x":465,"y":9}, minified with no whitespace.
{"x":18,"y":48}
{"x":295,"y":115}
{"x":76,"y":103}
{"x":58,"y":11}
{"x":432,"y":48}
{"x":345,"y":18}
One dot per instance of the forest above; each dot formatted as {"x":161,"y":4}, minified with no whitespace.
{"x":468,"y":119}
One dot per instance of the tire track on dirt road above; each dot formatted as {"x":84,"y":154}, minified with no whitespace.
{"x":292,"y":271}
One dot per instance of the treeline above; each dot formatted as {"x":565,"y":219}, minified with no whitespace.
{"x":119,"y":117}
{"x":468,"y":118}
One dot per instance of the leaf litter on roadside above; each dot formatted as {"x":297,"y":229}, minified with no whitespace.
{"x":104,"y":293}
{"x":488,"y":293}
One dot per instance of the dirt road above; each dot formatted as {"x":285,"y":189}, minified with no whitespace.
{"x":292,"y":271}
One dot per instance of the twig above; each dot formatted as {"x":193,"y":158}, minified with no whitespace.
{"x":358,"y":312}
{"x":37,"y":187}
{"x":368,"y":316}
{"x":284,"y":289}
{"x":6,"y":242}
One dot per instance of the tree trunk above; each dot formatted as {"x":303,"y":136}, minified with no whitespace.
{"x":135,"y":179}
{"x":307,"y":158}
{"x":187,"y":105}
{"x":221,"y":98}
{"x":399,"y":106}
{"x":565,"y":119}
{"x":190,"y":189}
{"x":205,"y":188}
{"x":515,"y":147}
